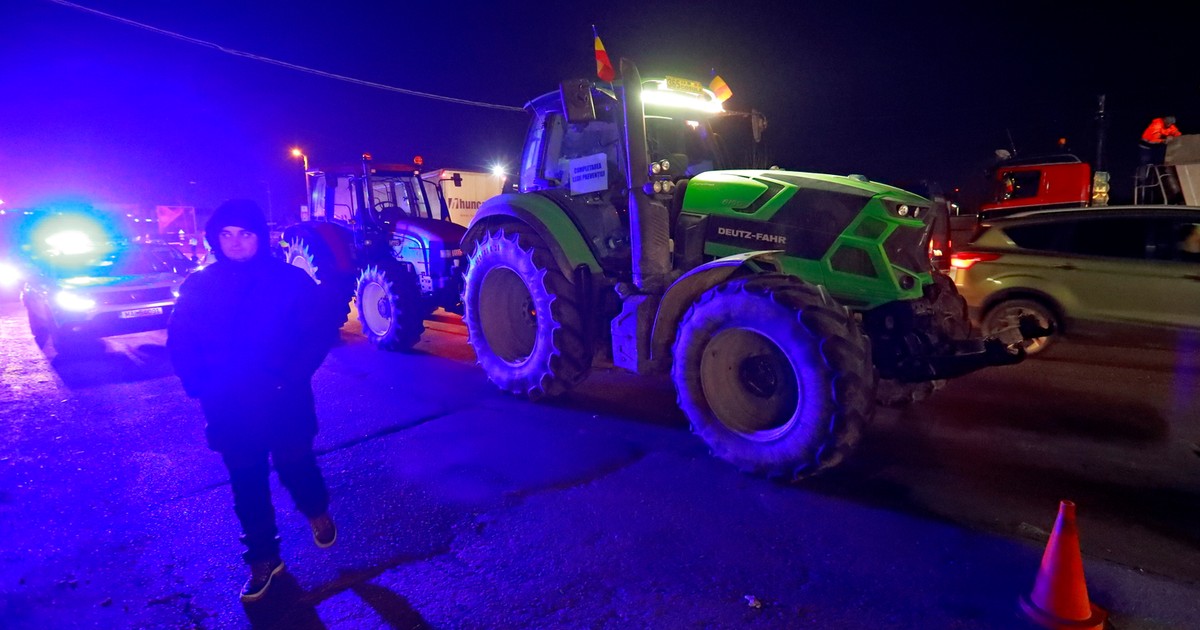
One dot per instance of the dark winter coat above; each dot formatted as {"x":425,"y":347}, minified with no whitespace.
{"x":245,"y":338}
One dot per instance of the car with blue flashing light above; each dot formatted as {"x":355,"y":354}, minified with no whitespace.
{"x":77,"y":288}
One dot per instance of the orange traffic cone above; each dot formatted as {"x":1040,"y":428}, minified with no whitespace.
{"x":1059,"y":600}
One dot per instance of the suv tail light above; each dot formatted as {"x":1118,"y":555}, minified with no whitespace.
{"x":964,"y":260}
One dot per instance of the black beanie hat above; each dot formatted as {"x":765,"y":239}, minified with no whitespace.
{"x":242,"y":213}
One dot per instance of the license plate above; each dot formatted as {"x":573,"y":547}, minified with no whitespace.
{"x":142,"y":312}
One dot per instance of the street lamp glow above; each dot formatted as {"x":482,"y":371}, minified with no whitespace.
{"x":296,"y":152}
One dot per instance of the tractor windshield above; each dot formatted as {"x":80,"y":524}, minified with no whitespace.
{"x":677,"y":137}
{"x":399,"y":191}
{"x":723,"y":141}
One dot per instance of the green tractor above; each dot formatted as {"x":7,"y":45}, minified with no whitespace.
{"x":785,"y":306}
{"x":380,"y":233}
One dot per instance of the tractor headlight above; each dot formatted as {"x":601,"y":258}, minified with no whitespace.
{"x":905,"y":210}
{"x":656,"y":169}
{"x":73,"y":302}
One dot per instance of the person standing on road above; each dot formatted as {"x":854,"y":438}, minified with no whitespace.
{"x":245,"y":339}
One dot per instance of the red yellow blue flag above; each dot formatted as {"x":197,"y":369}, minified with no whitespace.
{"x":604,"y":67}
{"x":719,"y":88}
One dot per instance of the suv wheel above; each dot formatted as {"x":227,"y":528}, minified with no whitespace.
{"x":1008,"y":315}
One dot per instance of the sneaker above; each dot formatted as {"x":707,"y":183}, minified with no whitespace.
{"x":261,"y":573}
{"x":324,"y":531}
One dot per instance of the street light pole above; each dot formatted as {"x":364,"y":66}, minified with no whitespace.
{"x":296,"y":152}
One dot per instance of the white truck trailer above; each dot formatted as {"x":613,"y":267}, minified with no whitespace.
{"x":464,"y":190}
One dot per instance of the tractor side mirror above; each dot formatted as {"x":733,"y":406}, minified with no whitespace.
{"x":457,"y":179}
{"x":577,"y":100}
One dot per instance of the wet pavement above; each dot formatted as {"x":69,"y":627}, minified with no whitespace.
{"x":460,"y":507}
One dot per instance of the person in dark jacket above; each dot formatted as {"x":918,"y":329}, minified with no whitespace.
{"x":245,"y":339}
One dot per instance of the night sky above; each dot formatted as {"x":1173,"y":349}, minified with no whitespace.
{"x":93,"y":109}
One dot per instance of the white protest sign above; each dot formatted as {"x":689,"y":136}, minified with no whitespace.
{"x":588,"y":174}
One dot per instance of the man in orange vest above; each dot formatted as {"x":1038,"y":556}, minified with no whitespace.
{"x":1153,"y":146}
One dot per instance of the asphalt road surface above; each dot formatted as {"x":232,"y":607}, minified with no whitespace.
{"x":461,"y":507}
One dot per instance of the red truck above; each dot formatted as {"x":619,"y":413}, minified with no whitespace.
{"x":1063,"y":180}
{"x":1043,"y":182}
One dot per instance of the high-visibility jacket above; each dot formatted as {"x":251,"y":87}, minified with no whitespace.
{"x":1158,"y":132}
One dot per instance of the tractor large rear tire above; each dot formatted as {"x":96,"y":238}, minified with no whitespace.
{"x":774,"y":375}
{"x":314,"y":253}
{"x":389,"y":306}
{"x":521,"y":315}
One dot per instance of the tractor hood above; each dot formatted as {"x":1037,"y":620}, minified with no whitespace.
{"x":747,"y":185}
{"x":431,"y":230}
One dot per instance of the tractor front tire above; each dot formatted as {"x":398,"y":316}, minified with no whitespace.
{"x":521,"y":316}
{"x":774,"y":375}
{"x":389,"y":306}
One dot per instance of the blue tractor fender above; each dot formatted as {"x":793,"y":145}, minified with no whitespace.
{"x":682,"y":293}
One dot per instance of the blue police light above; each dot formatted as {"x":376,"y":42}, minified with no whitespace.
{"x":69,"y":243}
{"x":69,"y":238}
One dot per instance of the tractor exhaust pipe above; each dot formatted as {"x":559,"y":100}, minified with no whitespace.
{"x":649,"y":221}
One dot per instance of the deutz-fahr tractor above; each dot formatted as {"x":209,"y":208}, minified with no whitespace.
{"x":374,"y":234}
{"x":781,"y":303}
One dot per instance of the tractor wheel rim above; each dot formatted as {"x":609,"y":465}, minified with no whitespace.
{"x":509,"y":321}
{"x":299,"y":259}
{"x":749,"y":384}
{"x":376,"y":309}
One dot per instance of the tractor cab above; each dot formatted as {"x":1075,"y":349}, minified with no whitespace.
{"x":381,"y":192}
{"x":575,"y":152}
{"x":684,"y":122}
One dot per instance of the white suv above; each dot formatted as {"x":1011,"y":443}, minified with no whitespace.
{"x":1125,"y":274}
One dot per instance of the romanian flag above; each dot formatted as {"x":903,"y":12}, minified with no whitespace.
{"x":720,"y":89}
{"x":604,"y":67}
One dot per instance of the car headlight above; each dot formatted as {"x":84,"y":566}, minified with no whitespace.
{"x":72,"y":302}
{"x":9,"y":275}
